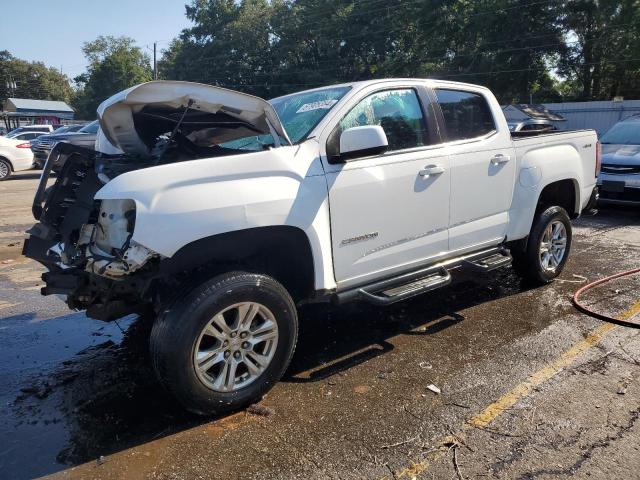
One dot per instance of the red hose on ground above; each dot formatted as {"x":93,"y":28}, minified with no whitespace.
{"x":606,"y":318}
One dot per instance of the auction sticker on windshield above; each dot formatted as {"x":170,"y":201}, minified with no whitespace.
{"x":320,"y":105}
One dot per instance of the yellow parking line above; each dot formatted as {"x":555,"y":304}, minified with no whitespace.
{"x":491,"y":412}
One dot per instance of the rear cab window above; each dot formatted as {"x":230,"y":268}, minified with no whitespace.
{"x":466,"y":115}
{"x":397,"y":111}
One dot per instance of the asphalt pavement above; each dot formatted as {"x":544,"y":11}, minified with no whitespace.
{"x":529,"y":387}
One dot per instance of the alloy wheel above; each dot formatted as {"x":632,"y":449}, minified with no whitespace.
{"x":553,"y":246}
{"x":4,"y":170}
{"x":236,"y":346}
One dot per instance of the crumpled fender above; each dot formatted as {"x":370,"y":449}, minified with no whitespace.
{"x":179,"y":203}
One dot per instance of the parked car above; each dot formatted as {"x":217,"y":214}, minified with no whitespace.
{"x":84,"y":136}
{"x":226,"y":211}
{"x":619,"y":180}
{"x":33,"y":128}
{"x":15,"y":154}
{"x":68,"y":129}
{"x":25,"y":136}
{"x":532,"y":126}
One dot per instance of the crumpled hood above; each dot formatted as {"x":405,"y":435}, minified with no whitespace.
{"x":620,"y":154}
{"x":117,"y":114}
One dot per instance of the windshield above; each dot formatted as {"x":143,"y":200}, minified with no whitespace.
{"x":623,"y":133}
{"x":299,"y":114}
{"x":90,"y":127}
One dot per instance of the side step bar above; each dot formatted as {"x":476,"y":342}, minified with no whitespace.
{"x":486,"y":264}
{"x":407,"y":285}
{"x":402,"y":292}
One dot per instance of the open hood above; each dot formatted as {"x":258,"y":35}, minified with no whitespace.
{"x":133,"y":119}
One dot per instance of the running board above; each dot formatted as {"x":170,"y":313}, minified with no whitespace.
{"x":491,"y":262}
{"x":410,"y":284}
{"x":403,"y":292}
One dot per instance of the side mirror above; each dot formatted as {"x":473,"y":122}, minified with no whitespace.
{"x":362,"y":141}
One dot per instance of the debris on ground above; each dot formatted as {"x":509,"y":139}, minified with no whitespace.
{"x":624,"y":385}
{"x":434,"y":389}
{"x":425,"y":365}
{"x":260,"y":410}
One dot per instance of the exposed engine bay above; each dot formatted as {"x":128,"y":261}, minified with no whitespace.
{"x":86,"y":244}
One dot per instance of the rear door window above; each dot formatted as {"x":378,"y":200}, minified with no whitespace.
{"x":466,"y":114}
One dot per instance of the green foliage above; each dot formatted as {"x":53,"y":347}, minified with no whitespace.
{"x":603,"y":57}
{"x":550,"y":50}
{"x":547,"y":50}
{"x":32,"y":79}
{"x":115,"y":63}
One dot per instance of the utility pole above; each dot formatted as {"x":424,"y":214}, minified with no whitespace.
{"x":11,"y":86}
{"x":155,"y":63}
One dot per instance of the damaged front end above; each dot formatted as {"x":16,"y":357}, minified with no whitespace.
{"x":86,"y":244}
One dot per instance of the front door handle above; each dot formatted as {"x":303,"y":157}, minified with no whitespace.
{"x":429,"y":170}
{"x":499,"y":159}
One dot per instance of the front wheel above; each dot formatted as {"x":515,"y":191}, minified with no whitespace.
{"x":226,"y":343}
{"x":547,"y":248}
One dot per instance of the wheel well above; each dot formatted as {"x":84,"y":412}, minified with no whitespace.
{"x":561,"y":193}
{"x":282,"y":252}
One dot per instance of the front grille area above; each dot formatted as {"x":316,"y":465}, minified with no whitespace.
{"x":613,"y":169}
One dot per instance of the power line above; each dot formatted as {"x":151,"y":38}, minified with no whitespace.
{"x":436,"y":76}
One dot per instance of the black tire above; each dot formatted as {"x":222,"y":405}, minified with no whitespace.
{"x":528,"y":263}
{"x":5,"y":169}
{"x":175,"y":335}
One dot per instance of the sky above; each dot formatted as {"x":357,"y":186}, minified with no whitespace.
{"x":53,"y":31}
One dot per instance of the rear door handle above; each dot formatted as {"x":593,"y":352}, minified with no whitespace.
{"x":429,"y":170}
{"x":499,"y":158}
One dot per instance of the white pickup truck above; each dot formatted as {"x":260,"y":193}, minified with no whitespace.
{"x":222,"y":212}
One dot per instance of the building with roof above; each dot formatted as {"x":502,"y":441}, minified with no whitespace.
{"x":20,"y":111}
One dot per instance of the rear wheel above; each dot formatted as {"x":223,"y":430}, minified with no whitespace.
{"x":547,"y":248}
{"x":225,"y":343}
{"x":5,"y":169}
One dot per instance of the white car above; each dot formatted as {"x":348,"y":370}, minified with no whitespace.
{"x":32,"y":128}
{"x":16,"y":154}
{"x":226,"y":211}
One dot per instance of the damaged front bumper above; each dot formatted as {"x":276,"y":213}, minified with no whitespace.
{"x":87,"y":244}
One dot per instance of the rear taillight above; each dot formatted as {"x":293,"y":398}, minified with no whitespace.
{"x":24,"y":145}
{"x":598,"y":158}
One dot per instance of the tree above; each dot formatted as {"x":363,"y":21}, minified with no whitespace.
{"x":603,"y":54}
{"x":32,"y":80}
{"x":548,"y":50}
{"x":229,"y":45}
{"x":504,"y":44}
{"x":115,"y":63}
